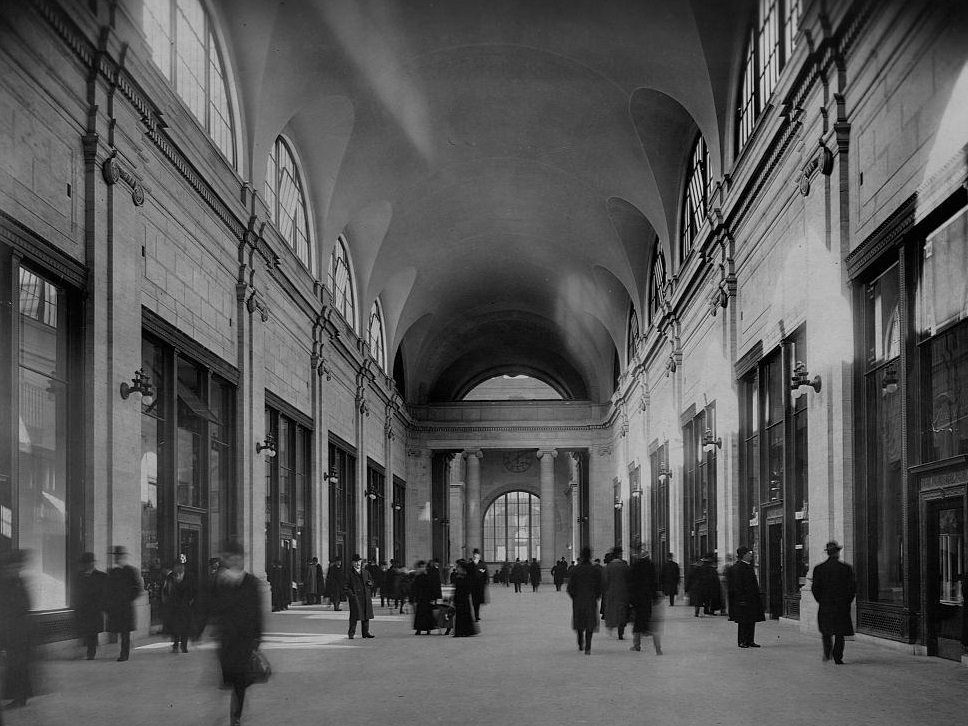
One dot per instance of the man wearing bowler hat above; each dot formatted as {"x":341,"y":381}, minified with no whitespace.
{"x":124,"y":587}
{"x":87,"y":599}
{"x":834,"y":588}
{"x":359,"y":593}
{"x":745,"y":603}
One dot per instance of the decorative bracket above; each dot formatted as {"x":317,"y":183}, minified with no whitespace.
{"x":822,"y":162}
{"x":113,"y":172}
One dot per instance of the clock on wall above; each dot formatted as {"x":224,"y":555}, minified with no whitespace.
{"x":518,"y":461}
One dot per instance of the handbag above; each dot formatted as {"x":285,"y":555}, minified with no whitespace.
{"x":259,"y":669}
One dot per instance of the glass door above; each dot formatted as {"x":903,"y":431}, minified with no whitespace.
{"x":945,"y":562}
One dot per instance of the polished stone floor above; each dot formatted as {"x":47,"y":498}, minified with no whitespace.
{"x":523,"y":668}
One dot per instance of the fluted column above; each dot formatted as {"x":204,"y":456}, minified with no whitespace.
{"x":472,"y":502}
{"x":547,"y":458}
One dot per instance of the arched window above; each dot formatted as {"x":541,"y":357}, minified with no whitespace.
{"x":771,"y":41}
{"x":657,"y":282}
{"x":341,"y":283}
{"x":512,"y":527}
{"x":183,"y":46}
{"x":632,"y":334}
{"x":377,"y":337}
{"x":286,"y":200}
{"x":695,"y":197}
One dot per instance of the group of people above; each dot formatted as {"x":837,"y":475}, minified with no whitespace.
{"x":519,"y":573}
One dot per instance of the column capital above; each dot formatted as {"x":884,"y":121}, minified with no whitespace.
{"x":473,"y":454}
{"x":552,"y":453}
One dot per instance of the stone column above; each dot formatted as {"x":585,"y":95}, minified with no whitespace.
{"x":472,"y":502}
{"x":547,"y":458}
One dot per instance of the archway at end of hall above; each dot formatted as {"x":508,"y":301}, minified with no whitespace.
{"x":512,"y":527}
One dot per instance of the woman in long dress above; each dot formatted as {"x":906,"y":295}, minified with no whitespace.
{"x":464,"y":626}
{"x":421,"y":592}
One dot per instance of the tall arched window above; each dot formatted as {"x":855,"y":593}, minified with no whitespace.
{"x":657,"y":282}
{"x":695,"y":197}
{"x":183,"y":46}
{"x":377,"y":337}
{"x":341,"y":283}
{"x":286,"y":200}
{"x":512,"y":528}
{"x":632,"y":334}
{"x":771,"y":41}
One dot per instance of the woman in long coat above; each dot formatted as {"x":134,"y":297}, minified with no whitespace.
{"x":464,"y":626}
{"x":616,"y":593}
{"x":422,"y":592}
{"x":177,"y":598}
{"x":643,"y":589}
{"x":585,"y":588}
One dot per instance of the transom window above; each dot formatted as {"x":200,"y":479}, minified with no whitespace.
{"x":183,"y":46}
{"x":377,"y":337}
{"x":771,"y":41}
{"x":656,"y":284}
{"x":695,"y":197}
{"x":632,"y":334}
{"x":286,"y":200}
{"x":341,"y":283}
{"x":512,"y":528}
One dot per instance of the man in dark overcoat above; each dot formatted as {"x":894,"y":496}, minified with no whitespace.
{"x":585,"y":589}
{"x":834,"y":588}
{"x":670,"y":578}
{"x":518,"y":574}
{"x":615,"y":604}
{"x":359,"y":593}
{"x":745,"y":601}
{"x":643,"y":589}
{"x":477,"y":570}
{"x":433,"y":573}
{"x":559,"y":572}
{"x":313,"y":582}
{"x":534,"y":574}
{"x":124,"y":587}
{"x":88,"y":601}
{"x":335,"y":582}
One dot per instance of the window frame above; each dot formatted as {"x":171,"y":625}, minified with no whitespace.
{"x":656,"y":284}
{"x":274,"y":200}
{"x":346,"y":303}
{"x":378,"y":352}
{"x":695,"y":197}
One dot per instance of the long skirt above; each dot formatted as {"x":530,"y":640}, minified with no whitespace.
{"x":423,"y":616}
{"x":464,"y":625}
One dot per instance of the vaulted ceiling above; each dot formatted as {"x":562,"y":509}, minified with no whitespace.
{"x":501,"y":170}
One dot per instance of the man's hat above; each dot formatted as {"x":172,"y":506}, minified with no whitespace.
{"x":476,"y":551}
{"x":833,"y":546}
{"x":742,"y":551}
{"x":87,"y":558}
{"x":356,"y":558}
{"x":118,"y":550}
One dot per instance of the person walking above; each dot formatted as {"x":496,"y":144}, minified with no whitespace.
{"x":278,"y":586}
{"x":421,"y":592}
{"x":87,"y":601}
{"x":16,"y":639}
{"x":558,"y":573}
{"x":359,"y":593}
{"x":477,"y":572}
{"x":433,"y":576}
{"x":616,"y":599}
{"x":834,"y":589}
{"x":313,"y":583}
{"x":745,"y":601}
{"x":177,"y":600}
{"x":670,"y":578}
{"x":389,"y":591}
{"x":235,"y":609}
{"x":124,"y":587}
{"x":585,"y":589}
{"x":643,"y":589}
{"x":335,"y":582}
{"x":534,"y":573}
{"x":464,"y":623}
{"x":518,"y":574}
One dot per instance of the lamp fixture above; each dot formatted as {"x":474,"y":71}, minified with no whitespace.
{"x":636,"y":493}
{"x":370,"y":494}
{"x":269,"y":446}
{"x":889,"y":384}
{"x":665,"y":474}
{"x":709,"y":443}
{"x":141,"y":383}
{"x":774,"y":488}
{"x":331,"y":478}
{"x":397,"y":506}
{"x":582,"y":519}
{"x":801,"y":377}
{"x":618,"y":503}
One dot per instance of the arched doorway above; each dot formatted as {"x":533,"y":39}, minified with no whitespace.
{"x":512,"y":527}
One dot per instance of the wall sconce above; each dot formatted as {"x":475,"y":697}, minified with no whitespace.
{"x":582,"y":519}
{"x":636,"y":493}
{"x":774,"y":488}
{"x":330,"y":478}
{"x":665,"y":475}
{"x":445,"y":522}
{"x":709,"y":443}
{"x":141,"y":383}
{"x":397,"y":506}
{"x":801,"y":377}
{"x":370,"y":494}
{"x":269,"y":446}
{"x":618,"y":503}
{"x":670,"y":365}
{"x":889,"y":385}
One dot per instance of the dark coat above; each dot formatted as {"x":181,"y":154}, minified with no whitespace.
{"x":834,"y":589}
{"x":534,"y":572}
{"x":615,"y":585}
{"x":359,"y":592}
{"x":463,"y":614}
{"x":236,"y":611}
{"x":671,"y":575}
{"x":559,"y":572}
{"x":391,"y":579}
{"x":335,"y":582}
{"x":433,"y":575}
{"x":177,"y":599}
{"x":585,"y":588}
{"x":643,"y":589}
{"x":745,"y":601}
{"x":478,"y":579}
{"x":124,"y":587}
{"x":705,"y":588}
{"x":421,"y":591}
{"x":88,"y":600}
{"x":313,"y":581}
{"x":16,"y":638}
{"x":519,"y":572}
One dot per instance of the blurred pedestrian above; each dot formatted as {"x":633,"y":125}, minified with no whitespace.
{"x":534,"y":574}
{"x":16,"y":637}
{"x":477,"y":571}
{"x":559,"y":572}
{"x":705,"y":591}
{"x":335,"y":581}
{"x":519,"y":574}
{"x":390,"y":579}
{"x":235,"y":609}
{"x":616,"y":598}
{"x":88,"y":602}
{"x":278,"y":586}
{"x":433,"y":577}
{"x":745,"y":600}
{"x":124,"y":587}
{"x":313,"y":582}
{"x":385,"y":584}
{"x":178,"y":600}
{"x":834,"y":588}
{"x":643,"y":589}
{"x":421,"y":592}
{"x":585,"y":588}
{"x":670,"y":578}
{"x":359,"y":593}
{"x":464,"y":626}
